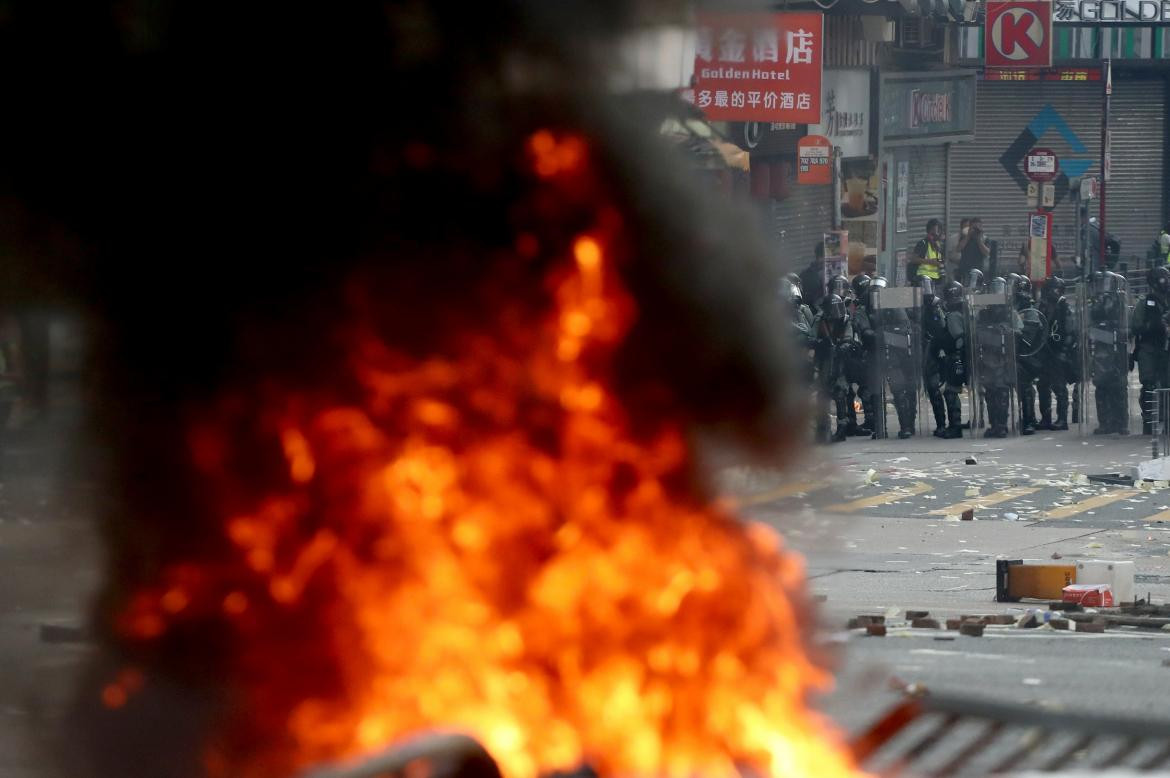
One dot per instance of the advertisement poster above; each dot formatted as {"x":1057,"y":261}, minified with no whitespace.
{"x":902,"y":219}
{"x":860,"y":186}
{"x":759,"y":67}
{"x":1039,"y":234}
{"x":846,"y":111}
{"x":836,"y":254}
{"x":901,"y":259}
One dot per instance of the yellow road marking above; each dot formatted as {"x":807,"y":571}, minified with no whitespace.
{"x":885,"y":498}
{"x":1064,"y":511}
{"x":1160,"y":516}
{"x":985,"y":500}
{"x":780,"y":492}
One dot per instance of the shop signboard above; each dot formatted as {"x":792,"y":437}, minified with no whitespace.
{"x":927,"y":107}
{"x":814,"y":155}
{"x":759,"y":67}
{"x":1041,"y":74}
{"x":1018,"y":34}
{"x":1090,"y":12}
{"x":846,"y":111}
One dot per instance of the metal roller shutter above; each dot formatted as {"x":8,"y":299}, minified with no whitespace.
{"x":799,"y":222}
{"x":1134,"y":198}
{"x":1007,"y":118}
{"x":927,"y":191}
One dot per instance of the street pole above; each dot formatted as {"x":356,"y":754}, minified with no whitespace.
{"x":1105,"y":155}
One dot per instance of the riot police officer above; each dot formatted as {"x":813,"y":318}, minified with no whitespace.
{"x":802,"y":327}
{"x":859,"y":367}
{"x":1148,"y":328}
{"x":1108,"y":336}
{"x":889,"y":337}
{"x":995,"y":332}
{"x":1056,"y":370}
{"x":834,"y":333}
{"x":1029,"y":343}
{"x":952,"y":343}
{"x":933,"y":326}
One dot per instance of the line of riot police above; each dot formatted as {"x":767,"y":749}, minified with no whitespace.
{"x":1012,"y":352}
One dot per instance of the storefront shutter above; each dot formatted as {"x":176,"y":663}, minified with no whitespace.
{"x":799,"y":223}
{"x":1134,"y":197}
{"x":927,"y":189}
{"x":981,"y":186}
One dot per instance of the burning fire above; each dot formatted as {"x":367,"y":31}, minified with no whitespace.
{"x":482,"y":543}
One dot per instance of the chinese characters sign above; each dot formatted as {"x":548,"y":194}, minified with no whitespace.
{"x":759,"y":67}
{"x":1059,"y":74}
{"x":1112,"y":11}
{"x":812,"y":152}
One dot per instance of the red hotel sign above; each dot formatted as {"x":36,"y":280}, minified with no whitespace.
{"x":759,"y":67}
{"x":1018,"y":34}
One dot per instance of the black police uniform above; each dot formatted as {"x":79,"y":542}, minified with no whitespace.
{"x":1056,"y":370}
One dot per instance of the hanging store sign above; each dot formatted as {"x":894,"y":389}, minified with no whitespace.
{"x":759,"y":67}
{"x":813,"y":155}
{"x":1144,"y":12}
{"x":846,"y":110}
{"x":1018,"y":34}
{"x":1054,"y":74}
{"x":928,"y":107}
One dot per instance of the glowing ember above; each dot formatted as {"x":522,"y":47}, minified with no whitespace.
{"x":482,"y":544}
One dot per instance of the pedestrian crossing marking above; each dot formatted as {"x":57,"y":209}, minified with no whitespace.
{"x":780,"y":492}
{"x":983,"y":501}
{"x":1088,"y":504}
{"x":1159,"y":516}
{"x":885,"y":498}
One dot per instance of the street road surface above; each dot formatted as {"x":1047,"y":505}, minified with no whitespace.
{"x":878,"y":522}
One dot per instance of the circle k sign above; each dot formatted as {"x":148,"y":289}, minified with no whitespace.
{"x":1018,"y":34}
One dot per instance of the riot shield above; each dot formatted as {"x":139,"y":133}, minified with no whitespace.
{"x":1031,"y":341}
{"x":898,"y":353}
{"x":992,"y":380}
{"x":1073,"y":364}
{"x":1110,"y":405}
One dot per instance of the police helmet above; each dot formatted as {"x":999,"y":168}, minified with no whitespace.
{"x":975,"y":278}
{"x":839,"y":285}
{"x":997,"y":285}
{"x":1022,"y":287}
{"x":860,"y":283}
{"x":1158,"y":278}
{"x":1053,"y":288}
{"x":833,"y":307}
{"x":879,"y":283}
{"x":794,"y":279}
{"x":790,"y":292}
{"x":952,"y":293}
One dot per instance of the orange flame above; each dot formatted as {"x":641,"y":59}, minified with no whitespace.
{"x":483,"y":545}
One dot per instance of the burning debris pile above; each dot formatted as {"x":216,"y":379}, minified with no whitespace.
{"x":405,"y":435}
{"x":480,"y":539}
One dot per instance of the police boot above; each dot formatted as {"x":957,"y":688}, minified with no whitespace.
{"x":940,"y":415}
{"x":1146,"y":398}
{"x":904,"y":405}
{"x":1061,"y":414}
{"x":1045,"y":422}
{"x":1104,"y":413}
{"x":954,"y":407}
{"x":842,"y":431}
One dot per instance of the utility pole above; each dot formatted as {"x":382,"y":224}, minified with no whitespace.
{"x":1106,"y":162}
